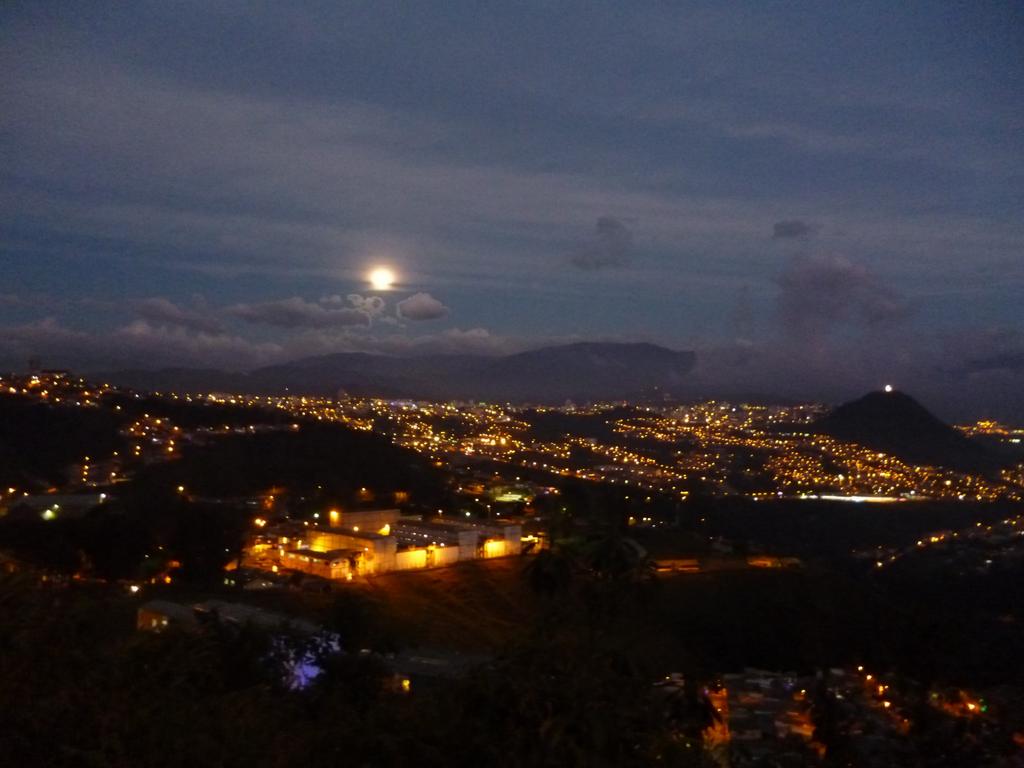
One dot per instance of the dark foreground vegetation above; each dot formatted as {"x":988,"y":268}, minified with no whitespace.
{"x":570,"y":642}
{"x":79,"y":687}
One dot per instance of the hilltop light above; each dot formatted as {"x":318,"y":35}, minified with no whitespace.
{"x":888,"y":387}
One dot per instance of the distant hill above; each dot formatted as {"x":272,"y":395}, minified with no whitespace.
{"x":38,"y":441}
{"x":895,"y":423}
{"x":583,"y":372}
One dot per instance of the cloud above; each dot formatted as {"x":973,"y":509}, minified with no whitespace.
{"x":450,"y":341}
{"x":37,"y":301}
{"x":790,"y":228}
{"x":611,"y":246}
{"x":742,"y":317}
{"x":1003,"y":361}
{"x":421,"y":306}
{"x":296,"y":312}
{"x":819,"y":293}
{"x":983,"y":352}
{"x":372,"y":305}
{"x":282,"y":183}
{"x":160,"y":311}
{"x":11,"y":300}
{"x":138,"y":344}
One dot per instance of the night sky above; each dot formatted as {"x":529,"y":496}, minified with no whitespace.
{"x":819,"y":198}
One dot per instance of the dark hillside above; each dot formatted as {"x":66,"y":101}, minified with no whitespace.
{"x":895,"y":423}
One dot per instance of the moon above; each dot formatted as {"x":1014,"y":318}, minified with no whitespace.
{"x":382,"y":278}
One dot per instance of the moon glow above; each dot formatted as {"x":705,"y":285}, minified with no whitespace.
{"x":382,"y":278}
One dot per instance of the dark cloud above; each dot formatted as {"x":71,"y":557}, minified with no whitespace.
{"x":791,"y":228}
{"x":11,"y":300}
{"x":421,"y":306}
{"x":991,"y":351}
{"x":160,"y":311}
{"x":1004,"y":361}
{"x":980,"y":370}
{"x":35,"y":301}
{"x":820,"y":293}
{"x":742,"y":317}
{"x":611,"y":246}
{"x":296,"y":312}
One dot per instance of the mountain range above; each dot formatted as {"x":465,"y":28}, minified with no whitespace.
{"x":582,"y":372}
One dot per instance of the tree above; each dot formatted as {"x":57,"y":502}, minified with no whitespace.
{"x":549,"y":573}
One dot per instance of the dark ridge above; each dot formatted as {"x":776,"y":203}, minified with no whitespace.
{"x":584,"y":372}
{"x":895,"y":423}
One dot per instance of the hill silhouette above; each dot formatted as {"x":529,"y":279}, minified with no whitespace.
{"x":584,"y":372}
{"x":895,"y":423}
{"x":39,"y":441}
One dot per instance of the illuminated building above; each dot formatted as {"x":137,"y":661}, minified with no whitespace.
{"x":370,"y":542}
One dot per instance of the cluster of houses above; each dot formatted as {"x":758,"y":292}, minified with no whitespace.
{"x":759,"y":718}
{"x":378,"y":541}
{"x":767,"y":718}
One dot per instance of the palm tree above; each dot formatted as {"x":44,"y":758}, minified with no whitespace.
{"x":615,"y":558}
{"x":549,"y":573}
